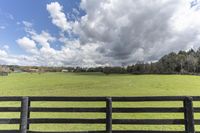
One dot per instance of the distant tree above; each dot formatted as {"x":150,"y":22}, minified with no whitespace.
{"x":191,"y":63}
{"x":181,"y":59}
{"x":107,"y":70}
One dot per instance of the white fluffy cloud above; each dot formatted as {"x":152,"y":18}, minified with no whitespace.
{"x":57,"y":15}
{"x":138,"y":30}
{"x":28,"y":44}
{"x":114,"y":32}
{"x":3,"y":53}
{"x":43,"y":39}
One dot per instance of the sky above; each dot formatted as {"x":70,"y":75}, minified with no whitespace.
{"x":90,"y":33}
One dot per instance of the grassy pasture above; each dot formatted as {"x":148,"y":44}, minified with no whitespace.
{"x":96,"y":84}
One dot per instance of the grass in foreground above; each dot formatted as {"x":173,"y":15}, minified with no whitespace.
{"x":71,"y":84}
{"x":96,"y":84}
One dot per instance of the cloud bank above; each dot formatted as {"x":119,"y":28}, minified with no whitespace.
{"x":112,"y":33}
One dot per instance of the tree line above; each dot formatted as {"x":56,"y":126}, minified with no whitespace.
{"x":183,"y":62}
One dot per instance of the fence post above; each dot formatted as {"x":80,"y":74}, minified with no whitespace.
{"x":188,"y":115}
{"x":24,"y":115}
{"x":29,"y":104}
{"x":108,"y":115}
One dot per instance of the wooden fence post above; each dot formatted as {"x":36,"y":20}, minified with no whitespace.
{"x":188,"y":115}
{"x":29,"y":105}
{"x":108,"y":115}
{"x":24,"y":115}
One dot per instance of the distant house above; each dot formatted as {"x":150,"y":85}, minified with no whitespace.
{"x":17,"y":70}
{"x":3,"y":73}
{"x":33,"y":70}
{"x":65,"y":70}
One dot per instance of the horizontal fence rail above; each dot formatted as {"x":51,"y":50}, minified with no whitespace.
{"x":25,"y":110}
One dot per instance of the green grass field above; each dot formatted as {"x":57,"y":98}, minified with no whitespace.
{"x":96,"y":84}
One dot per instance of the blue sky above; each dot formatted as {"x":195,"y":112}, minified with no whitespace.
{"x":95,"y":32}
{"x":14,"y":12}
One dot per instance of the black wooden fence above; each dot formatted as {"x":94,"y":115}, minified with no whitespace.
{"x":24,"y":121}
